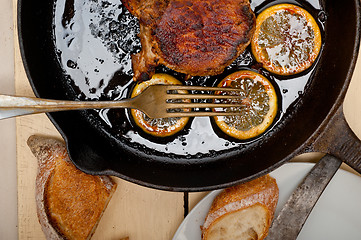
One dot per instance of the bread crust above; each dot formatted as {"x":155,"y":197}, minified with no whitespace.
{"x":261,"y":191}
{"x":69,"y":202}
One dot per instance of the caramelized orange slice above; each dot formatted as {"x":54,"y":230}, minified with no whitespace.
{"x":287,"y":39}
{"x":259,"y":100}
{"x":158,"y":127}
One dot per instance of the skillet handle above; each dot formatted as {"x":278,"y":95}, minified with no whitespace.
{"x":339,"y":140}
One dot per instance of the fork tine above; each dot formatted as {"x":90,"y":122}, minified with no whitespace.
{"x":193,"y":109}
{"x":199,"y":88}
{"x":202,"y":105}
{"x":200,"y":114}
{"x":201,"y":96}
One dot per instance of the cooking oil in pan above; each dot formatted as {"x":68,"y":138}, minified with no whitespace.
{"x":96,"y":39}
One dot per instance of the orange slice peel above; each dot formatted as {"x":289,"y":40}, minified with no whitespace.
{"x":287,"y":39}
{"x":158,"y":127}
{"x":260,"y":105}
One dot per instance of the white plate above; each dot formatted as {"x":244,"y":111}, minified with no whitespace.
{"x":336,"y":215}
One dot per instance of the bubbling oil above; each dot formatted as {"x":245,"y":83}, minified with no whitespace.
{"x":95,"y":40}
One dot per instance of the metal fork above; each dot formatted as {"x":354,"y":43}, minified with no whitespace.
{"x":157,"y":101}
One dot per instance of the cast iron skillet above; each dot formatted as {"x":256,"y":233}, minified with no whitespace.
{"x":317,"y":124}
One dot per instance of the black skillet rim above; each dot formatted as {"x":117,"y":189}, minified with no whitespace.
{"x":54,"y":118}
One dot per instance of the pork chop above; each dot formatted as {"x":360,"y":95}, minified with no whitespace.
{"x":198,"y":38}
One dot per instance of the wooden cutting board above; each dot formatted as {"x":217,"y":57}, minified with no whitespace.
{"x":134,"y":211}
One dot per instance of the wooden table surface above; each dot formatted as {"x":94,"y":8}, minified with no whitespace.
{"x":134,"y":211}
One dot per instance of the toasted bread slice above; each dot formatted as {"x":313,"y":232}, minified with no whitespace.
{"x":242,"y":212}
{"x":69,"y":202}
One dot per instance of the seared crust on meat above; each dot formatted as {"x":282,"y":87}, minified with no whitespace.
{"x":203,"y":37}
{"x":195,"y":37}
